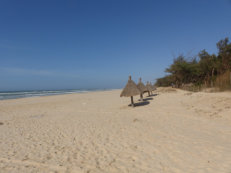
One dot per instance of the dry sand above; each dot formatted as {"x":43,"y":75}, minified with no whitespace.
{"x":174,"y":131}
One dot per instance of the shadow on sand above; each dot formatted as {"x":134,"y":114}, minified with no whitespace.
{"x":140,"y":103}
{"x":146,"y":99}
{"x":152,"y":95}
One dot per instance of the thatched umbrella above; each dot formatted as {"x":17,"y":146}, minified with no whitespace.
{"x":153,"y":87}
{"x":142,"y":88}
{"x":130,"y":90}
{"x":149,"y":88}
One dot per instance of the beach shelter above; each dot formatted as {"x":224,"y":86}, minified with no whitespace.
{"x":149,"y":88}
{"x":153,"y":87}
{"x":142,"y":88}
{"x":130,"y":90}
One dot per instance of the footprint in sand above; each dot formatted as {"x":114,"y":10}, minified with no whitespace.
{"x":135,"y":120}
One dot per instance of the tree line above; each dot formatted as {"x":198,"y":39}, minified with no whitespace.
{"x":203,"y":70}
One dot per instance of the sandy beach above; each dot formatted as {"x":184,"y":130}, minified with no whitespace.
{"x":173,"y":131}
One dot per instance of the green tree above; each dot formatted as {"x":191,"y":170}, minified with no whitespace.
{"x":206,"y":69}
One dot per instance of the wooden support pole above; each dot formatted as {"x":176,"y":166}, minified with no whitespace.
{"x":132,"y":103}
{"x":141,"y":97}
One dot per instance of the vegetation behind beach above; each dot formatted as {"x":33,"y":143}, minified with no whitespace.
{"x":202,"y":71}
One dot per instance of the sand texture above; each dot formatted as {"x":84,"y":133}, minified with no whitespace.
{"x":173,"y":131}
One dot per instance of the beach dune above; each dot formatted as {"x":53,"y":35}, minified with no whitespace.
{"x":175,"y":131}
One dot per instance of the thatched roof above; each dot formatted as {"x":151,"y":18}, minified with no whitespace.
{"x":154,"y":87}
{"x":130,"y":89}
{"x":149,"y":87}
{"x":141,"y":86}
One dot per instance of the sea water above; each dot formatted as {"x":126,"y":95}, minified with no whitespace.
{"x":21,"y":94}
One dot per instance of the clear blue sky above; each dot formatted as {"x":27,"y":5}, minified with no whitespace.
{"x":53,"y":44}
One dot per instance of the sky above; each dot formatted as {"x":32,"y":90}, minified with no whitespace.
{"x":89,"y":44}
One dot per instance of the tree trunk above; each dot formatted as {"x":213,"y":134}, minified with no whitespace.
{"x":141,"y":97}
{"x":230,"y":79}
{"x":212,"y":78}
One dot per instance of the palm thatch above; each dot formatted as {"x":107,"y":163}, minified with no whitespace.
{"x":142,"y":89}
{"x":130,"y":89}
{"x":153,"y":87}
{"x":141,"y":86}
{"x":149,"y":87}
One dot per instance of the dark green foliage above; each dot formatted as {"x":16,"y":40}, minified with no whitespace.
{"x":202,"y":70}
{"x":165,"y":81}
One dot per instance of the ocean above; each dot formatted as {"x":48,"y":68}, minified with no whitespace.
{"x":22,"y":94}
